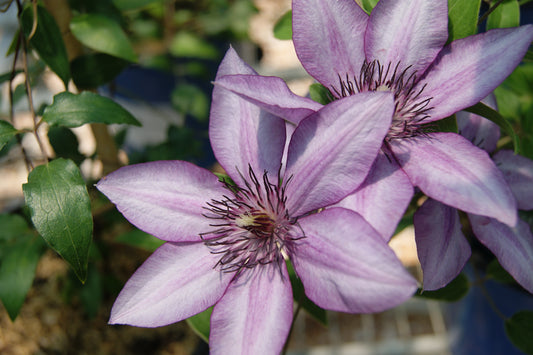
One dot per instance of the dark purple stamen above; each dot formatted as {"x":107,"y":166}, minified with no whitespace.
{"x":252,"y":225}
{"x":410,"y":109}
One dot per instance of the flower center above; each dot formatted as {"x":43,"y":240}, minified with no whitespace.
{"x":251,"y":226}
{"x":410,"y":110}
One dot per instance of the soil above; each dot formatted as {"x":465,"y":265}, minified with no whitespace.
{"x":49,"y":324}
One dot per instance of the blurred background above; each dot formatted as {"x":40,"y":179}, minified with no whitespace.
{"x":179,"y":45}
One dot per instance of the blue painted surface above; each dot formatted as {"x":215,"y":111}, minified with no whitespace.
{"x":475,"y":327}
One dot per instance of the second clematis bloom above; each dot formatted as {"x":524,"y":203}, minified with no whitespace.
{"x":228,"y":243}
{"x":401,"y":48}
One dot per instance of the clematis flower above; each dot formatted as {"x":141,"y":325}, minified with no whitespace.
{"x":442,"y":247}
{"x":401,"y":48}
{"x":227,"y":244}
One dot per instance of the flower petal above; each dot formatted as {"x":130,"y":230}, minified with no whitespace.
{"x":468,"y":69}
{"x":233,"y":64}
{"x":383,"y":196}
{"x":482,"y":132}
{"x":518,"y":172}
{"x":449,"y":169}
{"x":346,"y":266}
{"x":331,"y":152}
{"x":164,"y":198}
{"x":328,"y":37}
{"x":407,"y":32}
{"x":442,"y":248}
{"x":242,"y":134}
{"x":255,"y":314}
{"x":177,"y":281}
{"x":512,"y":246}
{"x":272,"y":94}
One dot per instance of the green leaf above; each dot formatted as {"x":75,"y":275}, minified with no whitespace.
{"x":462,"y":18}
{"x":189,"y":99}
{"x":102,"y":34}
{"x":72,"y":110}
{"x":519,"y":329}
{"x":61,"y":211}
{"x":507,"y":14}
{"x":368,"y":5}
{"x":7,"y":131}
{"x":515,"y":95}
{"x":140,"y":239}
{"x":529,"y":56}
{"x":6,"y":76}
{"x":14,"y":43}
{"x":189,"y":45}
{"x":299,"y":296}
{"x":93,"y":70}
{"x":493,"y":115}
{"x":283,"y":28}
{"x":91,"y":293}
{"x":200,"y":323}
{"x":448,"y":124}
{"x":47,"y":41}
{"x":452,"y":292}
{"x":13,"y":226}
{"x":496,"y":272}
{"x":320,"y":94}
{"x":128,"y":5}
{"x":225,"y":179}
{"x":17,"y":270}
{"x":65,"y":144}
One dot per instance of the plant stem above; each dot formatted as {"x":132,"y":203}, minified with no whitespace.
{"x":29,"y":165}
{"x":30,"y":98}
{"x":489,"y":11}
{"x":106,"y":149}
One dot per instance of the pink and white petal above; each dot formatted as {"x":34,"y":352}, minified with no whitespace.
{"x":449,"y":169}
{"x":164,"y":198}
{"x":328,"y":37}
{"x":271,"y":94}
{"x":518,"y":172}
{"x":255,"y":314}
{"x":331,"y":151}
{"x":177,"y":281}
{"x":407,"y":32}
{"x":512,"y":246}
{"x":442,"y":248}
{"x":346,"y":266}
{"x":383,"y":197}
{"x":241,"y":134}
{"x":482,"y":132}
{"x":468,"y":69}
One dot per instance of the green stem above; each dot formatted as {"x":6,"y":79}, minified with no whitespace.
{"x":29,"y":165}
{"x":489,"y":11}
{"x":28,"y":86}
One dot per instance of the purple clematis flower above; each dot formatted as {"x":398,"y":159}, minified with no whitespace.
{"x":401,"y":48}
{"x":442,"y":247}
{"x":227,"y":244}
